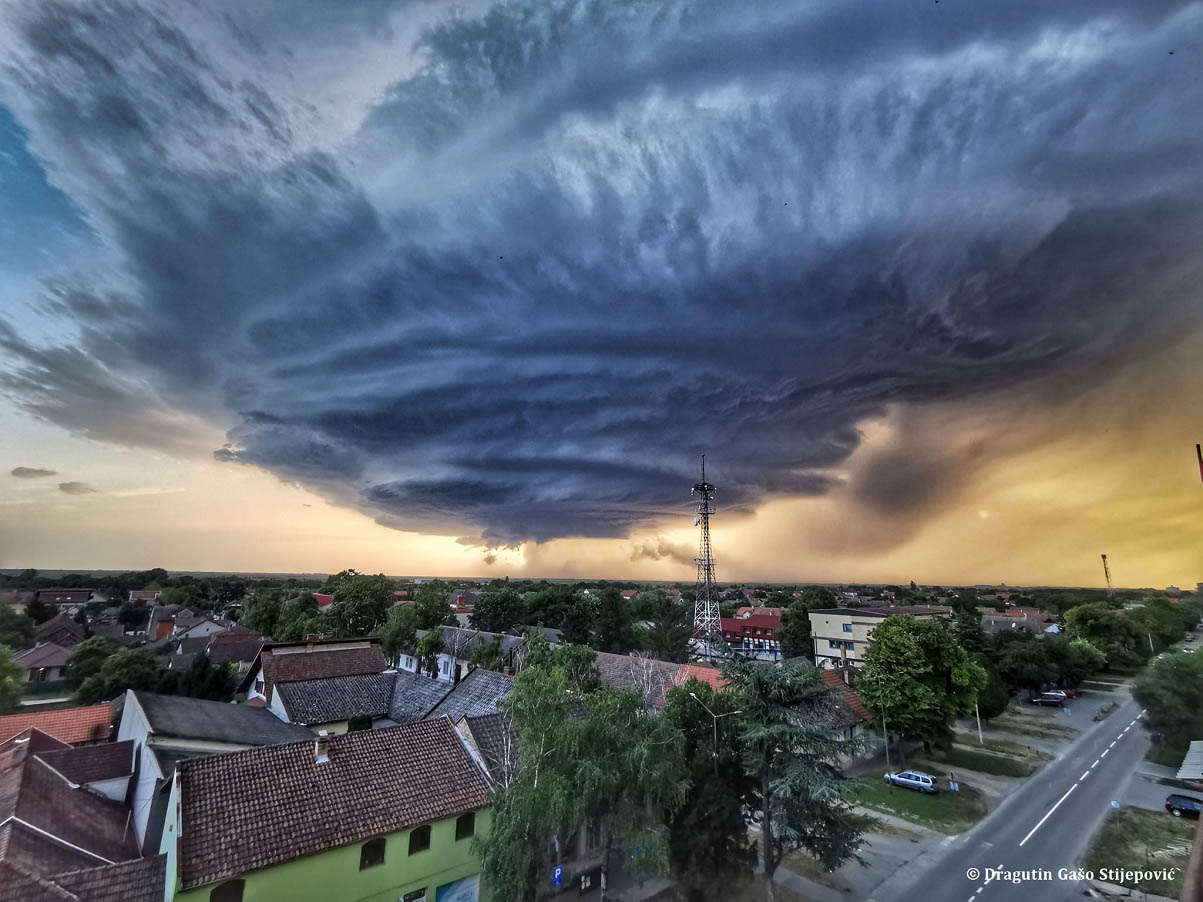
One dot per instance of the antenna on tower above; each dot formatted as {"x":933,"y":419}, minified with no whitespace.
{"x":706,"y":624}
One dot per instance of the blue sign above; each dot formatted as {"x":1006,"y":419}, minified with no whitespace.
{"x":557,"y":876}
{"x":1114,"y":804}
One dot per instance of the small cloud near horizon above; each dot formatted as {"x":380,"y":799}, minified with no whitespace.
{"x":76,"y":488}
{"x":31,"y":472}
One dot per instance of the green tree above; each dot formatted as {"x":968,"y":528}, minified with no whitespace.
{"x":360,"y":604}
{"x":133,"y":614}
{"x":16,"y":630}
{"x":993,"y":697}
{"x":594,"y":759}
{"x":262,"y":611}
{"x":794,"y":635}
{"x":1122,"y":641}
{"x":579,"y":662}
{"x":547,"y":605}
{"x":487,"y":655}
{"x":204,"y":679}
{"x":38,"y":611}
{"x":132,"y":669}
{"x":429,"y":647}
{"x":333,"y":582}
{"x":400,"y":631}
{"x":969,"y":632}
{"x":497,"y":611}
{"x":580,"y":620}
{"x":1171,"y":692}
{"x":708,"y":833}
{"x":431,"y":606}
{"x":11,"y":680}
{"x":1023,"y":661}
{"x":299,"y":617}
{"x":918,"y":678}
{"x":89,"y":656}
{"x":614,"y":630}
{"x":791,"y":751}
{"x":671,"y":631}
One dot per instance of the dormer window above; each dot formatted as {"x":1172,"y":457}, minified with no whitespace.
{"x":371,"y":853}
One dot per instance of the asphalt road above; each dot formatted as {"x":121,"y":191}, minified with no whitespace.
{"x":1044,"y":826}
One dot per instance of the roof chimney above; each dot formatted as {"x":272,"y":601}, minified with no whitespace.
{"x":309,"y":640}
{"x":321,"y":748}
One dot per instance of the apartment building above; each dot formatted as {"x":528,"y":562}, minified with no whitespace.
{"x":842,"y":635}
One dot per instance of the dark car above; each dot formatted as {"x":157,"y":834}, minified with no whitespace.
{"x":1183,"y":806}
{"x":1052,"y":700}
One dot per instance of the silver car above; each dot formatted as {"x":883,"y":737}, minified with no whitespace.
{"x":913,"y":779}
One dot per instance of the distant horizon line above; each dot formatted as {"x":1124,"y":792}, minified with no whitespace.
{"x":266,"y":574}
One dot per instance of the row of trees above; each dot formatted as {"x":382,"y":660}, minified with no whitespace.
{"x":674,"y":792}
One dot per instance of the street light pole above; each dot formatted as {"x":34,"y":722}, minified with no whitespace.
{"x":980,"y":740}
{"x":715,"y":718}
{"x":885,"y":734}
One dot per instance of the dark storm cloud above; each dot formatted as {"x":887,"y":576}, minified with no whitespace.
{"x":76,"y":488}
{"x":585,"y":242}
{"x":32,"y":472}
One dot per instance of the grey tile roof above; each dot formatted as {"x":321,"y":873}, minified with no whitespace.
{"x":91,"y":763}
{"x":195,"y":718}
{"x":261,"y":807}
{"x":649,"y":676}
{"x":56,"y":623}
{"x":414,"y":695}
{"x":45,"y":655}
{"x":140,"y":880}
{"x":22,"y":886}
{"x":190,"y":645}
{"x":475,"y":695}
{"x":497,"y":743}
{"x":338,"y":698}
{"x":460,"y":643}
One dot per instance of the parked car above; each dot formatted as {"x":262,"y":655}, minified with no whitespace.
{"x":1047,"y":699}
{"x":1183,"y":806}
{"x":1063,"y":693}
{"x":1190,"y":638}
{"x":913,"y":779}
{"x":1188,"y":651}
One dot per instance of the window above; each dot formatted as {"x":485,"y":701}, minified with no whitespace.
{"x":371,"y":853}
{"x":465,"y":825}
{"x":230,"y":891}
{"x":849,"y":645}
{"x":418,"y":895}
{"x":833,"y":643}
{"x":847,"y":627}
{"x":419,"y":839}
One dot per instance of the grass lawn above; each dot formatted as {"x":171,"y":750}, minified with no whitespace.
{"x":46,"y":690}
{"x":754,"y":892}
{"x":1134,"y":839}
{"x":984,"y":762}
{"x":1033,"y":725}
{"x":948,"y":812}
{"x":1092,"y":686}
{"x":1003,"y":747}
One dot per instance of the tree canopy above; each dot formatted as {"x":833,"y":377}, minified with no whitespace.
{"x":918,"y":677}
{"x":497,"y":611}
{"x":10,"y":680}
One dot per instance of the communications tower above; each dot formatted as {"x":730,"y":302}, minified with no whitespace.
{"x":706,"y":625}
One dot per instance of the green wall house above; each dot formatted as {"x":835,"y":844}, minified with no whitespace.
{"x":372,"y":816}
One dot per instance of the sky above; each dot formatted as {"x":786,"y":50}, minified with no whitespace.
{"x":467,"y":289}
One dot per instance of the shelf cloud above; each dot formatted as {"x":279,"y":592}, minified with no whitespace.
{"x":570,"y":245}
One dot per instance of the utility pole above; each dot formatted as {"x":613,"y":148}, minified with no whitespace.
{"x":886,"y":735}
{"x":706,"y":623}
{"x":980,"y":740}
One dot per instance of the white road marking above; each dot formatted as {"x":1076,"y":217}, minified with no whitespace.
{"x":971,"y":898}
{"x":1133,"y":722}
{"x":1112,"y":744}
{"x":1096,"y":764}
{"x":1048,"y":815}
{"x":1127,"y":728}
{"x":1085,"y":774}
{"x":1105,"y":751}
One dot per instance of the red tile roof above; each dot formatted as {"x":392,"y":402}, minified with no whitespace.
{"x":53,"y":817}
{"x":323,"y":600}
{"x":92,"y":763}
{"x":847,"y":694}
{"x":321,"y":663}
{"x":257,"y":808}
{"x":73,"y":725}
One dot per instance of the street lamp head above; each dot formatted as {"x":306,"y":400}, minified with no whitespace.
{"x":693,"y":695}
